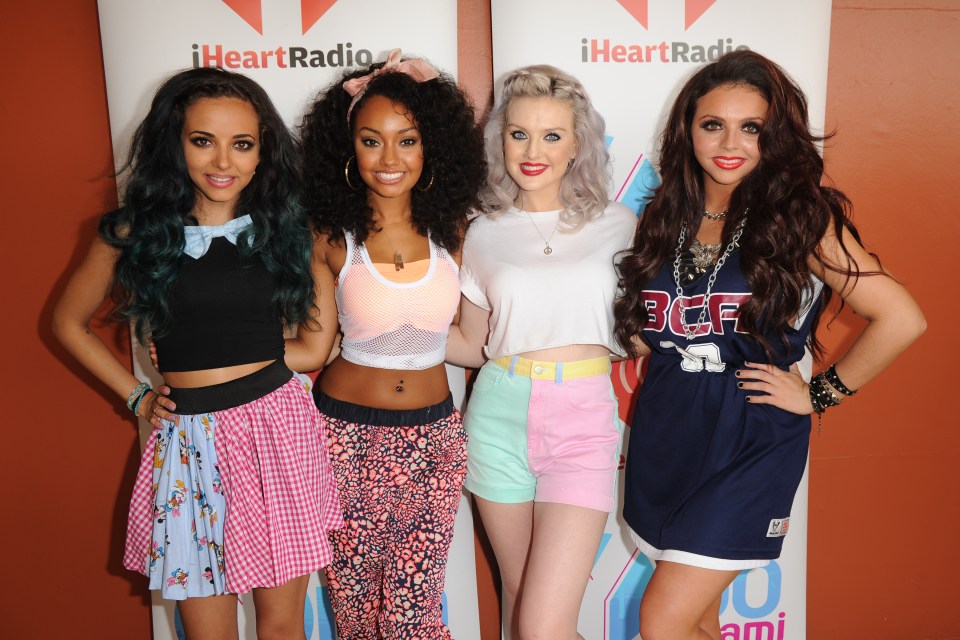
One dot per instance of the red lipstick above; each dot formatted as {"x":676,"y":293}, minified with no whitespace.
{"x":532,"y":168}
{"x":728,"y":163}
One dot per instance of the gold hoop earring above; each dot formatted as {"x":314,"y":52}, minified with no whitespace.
{"x":429,"y":184}
{"x":346,"y":173}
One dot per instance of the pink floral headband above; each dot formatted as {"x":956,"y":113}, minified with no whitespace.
{"x":417,"y":68}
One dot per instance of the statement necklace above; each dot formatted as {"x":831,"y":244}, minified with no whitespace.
{"x":715,"y":216}
{"x":704,"y":255}
{"x":691,"y":331}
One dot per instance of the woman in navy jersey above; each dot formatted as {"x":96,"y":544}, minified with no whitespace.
{"x":734,"y":261}
{"x":393,"y":164}
{"x":209,"y":256}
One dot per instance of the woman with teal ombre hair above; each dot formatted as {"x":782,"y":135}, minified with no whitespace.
{"x":209,"y":257}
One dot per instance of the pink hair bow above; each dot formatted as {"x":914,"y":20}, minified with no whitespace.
{"x":417,"y":68}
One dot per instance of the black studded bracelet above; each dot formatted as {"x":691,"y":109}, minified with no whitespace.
{"x":836,"y":383}
{"x":821,"y":394}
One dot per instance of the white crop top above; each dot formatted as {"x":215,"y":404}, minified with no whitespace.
{"x":538,"y":301}
{"x":395,"y":325}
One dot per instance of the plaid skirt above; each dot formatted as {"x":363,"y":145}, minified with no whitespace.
{"x":231,"y":499}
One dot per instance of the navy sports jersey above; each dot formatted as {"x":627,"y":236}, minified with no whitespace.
{"x":707,"y":472}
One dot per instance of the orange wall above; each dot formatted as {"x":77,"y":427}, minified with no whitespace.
{"x":882,"y":473}
{"x":70,"y":448}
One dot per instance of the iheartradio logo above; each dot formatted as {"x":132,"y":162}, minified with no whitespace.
{"x":252,"y":12}
{"x":692,"y":10}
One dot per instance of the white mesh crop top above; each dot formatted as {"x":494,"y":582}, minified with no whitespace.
{"x":394,"y":325}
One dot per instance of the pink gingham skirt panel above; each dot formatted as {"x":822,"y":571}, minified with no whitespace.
{"x":232,"y":500}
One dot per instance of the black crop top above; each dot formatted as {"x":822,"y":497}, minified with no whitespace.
{"x":222,"y":313}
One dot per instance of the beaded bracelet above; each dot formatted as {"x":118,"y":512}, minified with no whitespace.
{"x":835,"y":382}
{"x":136,"y":404}
{"x":136,"y":394}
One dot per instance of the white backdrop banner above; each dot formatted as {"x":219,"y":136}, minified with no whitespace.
{"x":633,"y":56}
{"x":293,"y":48}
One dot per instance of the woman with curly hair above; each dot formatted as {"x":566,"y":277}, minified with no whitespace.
{"x":727,"y":271}
{"x":393,"y":165}
{"x":538,"y":283}
{"x":210,"y":256}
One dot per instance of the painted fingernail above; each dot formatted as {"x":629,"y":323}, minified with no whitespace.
{"x":739,"y":385}
{"x":749,"y":398}
{"x":738,"y":373}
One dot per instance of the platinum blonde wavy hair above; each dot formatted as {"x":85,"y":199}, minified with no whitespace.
{"x":583,"y":190}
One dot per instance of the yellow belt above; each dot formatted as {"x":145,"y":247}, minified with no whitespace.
{"x":554,"y":370}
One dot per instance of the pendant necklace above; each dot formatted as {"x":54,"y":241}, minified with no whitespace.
{"x":691,"y":331}
{"x":397,"y":257}
{"x":547,"y":249}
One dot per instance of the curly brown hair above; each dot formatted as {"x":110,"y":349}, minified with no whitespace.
{"x":453,"y":156}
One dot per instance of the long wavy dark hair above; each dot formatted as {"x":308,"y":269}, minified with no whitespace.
{"x":453,"y":156}
{"x":159,"y":199}
{"x":789,"y":210}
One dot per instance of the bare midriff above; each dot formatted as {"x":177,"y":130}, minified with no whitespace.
{"x":568,"y":353}
{"x":207,"y":377}
{"x":385,"y":388}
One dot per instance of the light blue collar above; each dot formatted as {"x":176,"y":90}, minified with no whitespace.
{"x":198,"y":239}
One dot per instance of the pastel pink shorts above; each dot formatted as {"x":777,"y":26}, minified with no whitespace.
{"x":543,"y":431}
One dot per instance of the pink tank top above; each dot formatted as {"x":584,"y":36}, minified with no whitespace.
{"x":395,"y":325}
